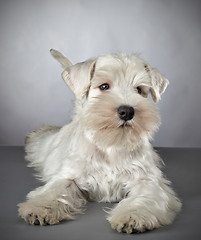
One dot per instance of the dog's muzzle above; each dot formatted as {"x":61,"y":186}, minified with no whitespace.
{"x":126,"y":113}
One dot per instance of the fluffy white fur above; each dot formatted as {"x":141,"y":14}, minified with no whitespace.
{"x":99,"y":156}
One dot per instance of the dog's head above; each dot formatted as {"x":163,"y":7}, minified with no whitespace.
{"x":112,"y":95}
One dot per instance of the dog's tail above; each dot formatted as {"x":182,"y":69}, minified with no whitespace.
{"x":60,"y":58}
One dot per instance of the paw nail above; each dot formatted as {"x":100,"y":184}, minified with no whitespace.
{"x":37,"y":222}
{"x":135,"y":231}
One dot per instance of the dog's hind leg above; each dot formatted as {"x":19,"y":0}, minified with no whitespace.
{"x":53,"y":203}
{"x":39,"y":144}
{"x":40,"y":133}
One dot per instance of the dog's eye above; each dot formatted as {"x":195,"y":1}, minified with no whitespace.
{"x":104,"y":87}
{"x":139,"y":90}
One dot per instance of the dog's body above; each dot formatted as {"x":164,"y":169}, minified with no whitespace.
{"x":104,"y":154}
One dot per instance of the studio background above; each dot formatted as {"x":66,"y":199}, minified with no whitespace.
{"x":167,"y":33}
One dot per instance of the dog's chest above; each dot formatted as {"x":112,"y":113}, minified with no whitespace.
{"x":103,"y":185}
{"x":104,"y":181}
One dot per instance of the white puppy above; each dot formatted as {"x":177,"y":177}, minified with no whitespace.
{"x":104,"y":154}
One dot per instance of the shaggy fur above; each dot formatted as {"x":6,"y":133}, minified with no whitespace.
{"x":104,"y":154}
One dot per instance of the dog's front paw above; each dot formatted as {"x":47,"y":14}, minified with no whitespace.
{"x":37,"y":215}
{"x":131,"y":223}
{"x":125,"y":224}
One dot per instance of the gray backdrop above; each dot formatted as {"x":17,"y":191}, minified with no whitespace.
{"x":167,"y":33}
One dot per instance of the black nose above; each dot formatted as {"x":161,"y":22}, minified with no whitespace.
{"x":126,"y":112}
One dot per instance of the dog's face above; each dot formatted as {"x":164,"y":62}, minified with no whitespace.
{"x":113,"y":94}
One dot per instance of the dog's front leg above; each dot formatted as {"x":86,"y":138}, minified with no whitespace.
{"x":52,"y":203}
{"x":148,"y":205}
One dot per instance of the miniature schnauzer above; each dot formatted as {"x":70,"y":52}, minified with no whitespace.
{"x":104,"y":154}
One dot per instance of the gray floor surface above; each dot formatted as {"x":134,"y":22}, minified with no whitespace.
{"x":183,"y":168}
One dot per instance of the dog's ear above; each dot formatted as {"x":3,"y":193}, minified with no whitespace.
{"x":78,"y":77}
{"x":60,"y":58}
{"x":158,"y":83}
